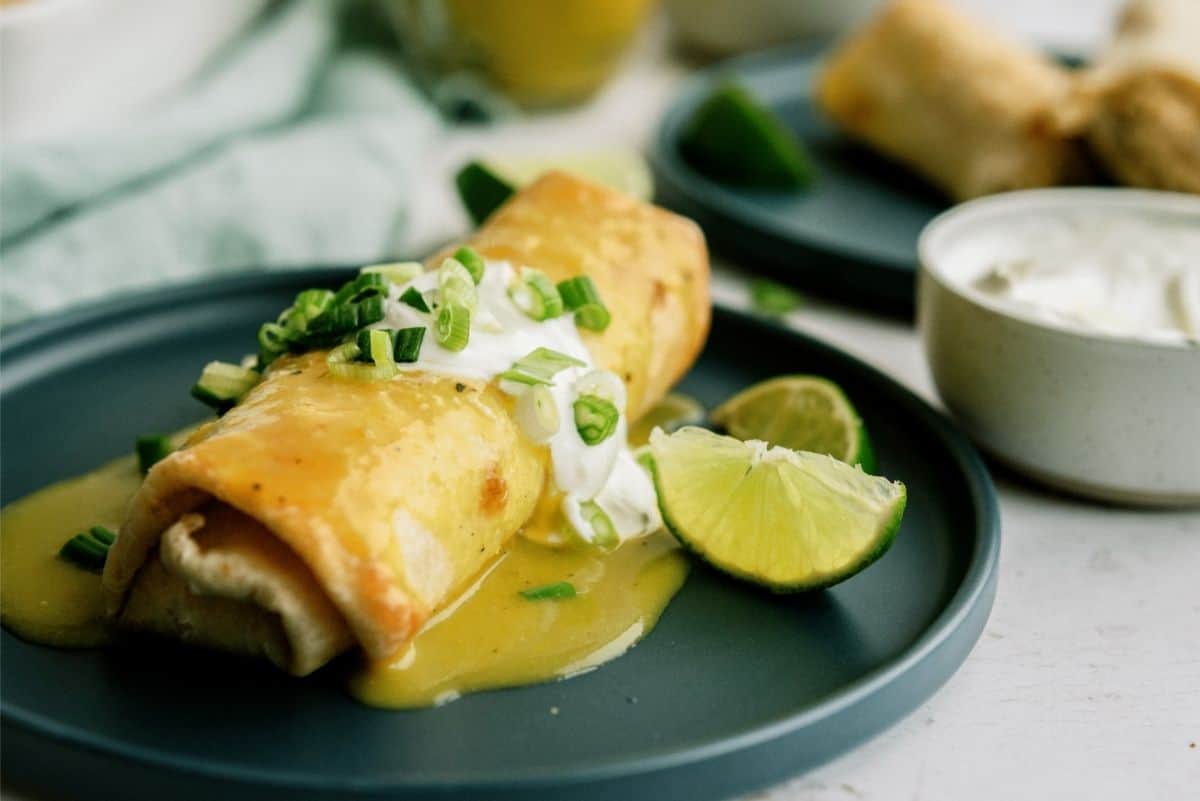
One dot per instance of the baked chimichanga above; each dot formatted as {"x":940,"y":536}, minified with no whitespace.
{"x":1145,"y":89}
{"x":322,"y":512}
{"x":969,"y":110}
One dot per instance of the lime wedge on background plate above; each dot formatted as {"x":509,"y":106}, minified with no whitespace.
{"x":486,"y":183}
{"x":732,"y":138}
{"x":784,"y":519}
{"x":800,"y":412}
{"x":670,"y":414}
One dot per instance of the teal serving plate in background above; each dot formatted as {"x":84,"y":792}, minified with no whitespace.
{"x":734,"y":690}
{"x":851,"y":234}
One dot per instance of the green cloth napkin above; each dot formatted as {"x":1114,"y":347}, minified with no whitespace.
{"x":298,"y":147}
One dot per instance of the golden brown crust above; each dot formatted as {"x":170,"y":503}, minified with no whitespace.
{"x":1145,"y":94}
{"x":649,"y":265}
{"x":970,"y":111}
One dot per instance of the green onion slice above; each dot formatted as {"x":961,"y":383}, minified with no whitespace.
{"x":537,"y":414}
{"x":222,"y":385}
{"x":540,"y":366}
{"x":343,"y":363}
{"x":557,"y":591}
{"x":89,"y":549}
{"x":595,"y":418}
{"x":358,"y":287}
{"x":456,"y":287}
{"x":272,"y":342}
{"x":773,"y":299}
{"x":453,"y":329}
{"x":603,"y":534}
{"x":399,"y":272}
{"x":580,"y":296}
{"x":408,"y":344}
{"x":151,"y":449}
{"x":377,"y":346}
{"x":307,"y":306}
{"x":535,"y":294}
{"x":415,"y":299}
{"x":470,"y":259}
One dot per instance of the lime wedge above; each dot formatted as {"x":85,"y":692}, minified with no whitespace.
{"x":670,"y":414}
{"x":732,"y":138}
{"x":800,"y":412}
{"x":486,"y":183}
{"x":785,"y":519}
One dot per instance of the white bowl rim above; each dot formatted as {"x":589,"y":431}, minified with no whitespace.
{"x":1028,"y":201}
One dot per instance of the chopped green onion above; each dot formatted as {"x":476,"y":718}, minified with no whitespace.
{"x":556,"y":591}
{"x":535,"y":294}
{"x":399,"y":273}
{"x":537,"y":414}
{"x":371,"y":310}
{"x":311,"y":302}
{"x":353,"y":290}
{"x":773,"y":299}
{"x":360,"y":303}
{"x":272,"y":343}
{"x":604,"y":384}
{"x":603,"y":534}
{"x":343,"y":354}
{"x":468,"y":258}
{"x":415,"y":299}
{"x":222,"y":385}
{"x":453,"y":329}
{"x":456,"y":287}
{"x":580,"y":296}
{"x":408,"y":344}
{"x":151,"y":449}
{"x":600,"y":398}
{"x":377,"y":346}
{"x":308,"y":306}
{"x":103,"y":534}
{"x":540,"y":366}
{"x":89,"y":549}
{"x":595,"y":418}
{"x":342,"y":362}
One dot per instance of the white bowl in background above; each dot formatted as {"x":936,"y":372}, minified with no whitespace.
{"x":70,"y":65}
{"x":1108,"y":416}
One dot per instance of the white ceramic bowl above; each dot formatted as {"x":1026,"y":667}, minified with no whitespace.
{"x":69,"y":65}
{"x":1110,"y":417}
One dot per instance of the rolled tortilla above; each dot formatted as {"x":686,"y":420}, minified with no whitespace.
{"x":322,"y":513}
{"x":970,"y":111}
{"x":1146,"y":93}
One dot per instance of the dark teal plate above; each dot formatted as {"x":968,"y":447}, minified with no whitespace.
{"x":852,"y":233}
{"x":735,"y":689}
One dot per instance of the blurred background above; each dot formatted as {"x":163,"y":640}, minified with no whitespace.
{"x":149,"y":141}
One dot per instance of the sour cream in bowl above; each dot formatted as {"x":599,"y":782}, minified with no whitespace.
{"x":1062,"y":329}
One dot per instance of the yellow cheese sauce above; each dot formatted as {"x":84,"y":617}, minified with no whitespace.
{"x":489,"y":637}
{"x":494,"y":637}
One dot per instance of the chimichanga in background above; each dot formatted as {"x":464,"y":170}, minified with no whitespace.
{"x":1145,"y":89}
{"x":321,"y":513}
{"x":970,"y":111}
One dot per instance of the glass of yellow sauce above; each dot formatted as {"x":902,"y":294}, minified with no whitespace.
{"x":537,"y":53}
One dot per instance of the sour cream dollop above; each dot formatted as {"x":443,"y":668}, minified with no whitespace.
{"x":605,"y":473}
{"x":1132,"y":275}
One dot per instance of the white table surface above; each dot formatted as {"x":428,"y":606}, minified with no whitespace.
{"x":1086,"y":681}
